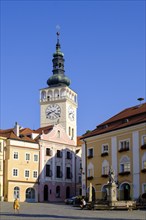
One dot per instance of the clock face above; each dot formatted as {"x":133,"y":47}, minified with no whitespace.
{"x":71,"y":113}
{"x":53,"y":111}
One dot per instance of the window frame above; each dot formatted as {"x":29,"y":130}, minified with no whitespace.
{"x":15,"y":170}
{"x":25,"y":173}
{"x":14,"y":154}
{"x":27,"y":159}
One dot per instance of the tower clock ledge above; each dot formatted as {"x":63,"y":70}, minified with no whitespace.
{"x":56,"y":94}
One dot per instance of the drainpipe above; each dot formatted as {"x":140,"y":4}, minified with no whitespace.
{"x":85,"y":166}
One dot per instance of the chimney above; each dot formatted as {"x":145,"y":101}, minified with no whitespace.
{"x":16,"y":129}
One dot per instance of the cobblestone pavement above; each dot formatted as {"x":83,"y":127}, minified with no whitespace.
{"x":49,"y":211}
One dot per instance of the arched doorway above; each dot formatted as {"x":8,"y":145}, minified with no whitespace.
{"x":45,"y":192}
{"x":67,"y":192}
{"x":125,"y":191}
{"x":30,"y":195}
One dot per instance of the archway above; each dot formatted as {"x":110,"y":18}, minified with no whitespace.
{"x":30,"y":195}
{"x":125,"y":191}
{"x":45,"y":193}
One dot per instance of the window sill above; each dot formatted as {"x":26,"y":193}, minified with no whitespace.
{"x":143,"y":146}
{"x":126,"y":149}
{"x":143,"y":170}
{"x":104,"y":154}
{"x":90,"y":156}
{"x":124,"y":173}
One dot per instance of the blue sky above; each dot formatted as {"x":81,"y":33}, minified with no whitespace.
{"x":104,"y":49}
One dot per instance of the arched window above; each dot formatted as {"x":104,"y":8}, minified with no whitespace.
{"x":49,"y":95}
{"x":58,"y":192}
{"x":144,"y":161}
{"x":105,"y":167}
{"x":58,"y":134}
{"x":72,"y":133}
{"x":16,"y":192}
{"x":124,"y":164}
{"x":56,"y":93}
{"x":69,"y":131}
{"x":43,"y":95}
{"x":90,"y":170}
{"x":30,"y":194}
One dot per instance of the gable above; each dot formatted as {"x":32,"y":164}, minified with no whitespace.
{"x":58,"y":135}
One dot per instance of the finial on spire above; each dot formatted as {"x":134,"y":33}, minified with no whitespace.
{"x":58,"y":33}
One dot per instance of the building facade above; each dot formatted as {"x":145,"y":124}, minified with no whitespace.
{"x":120,"y":143}
{"x":20,"y":166}
{"x":42,"y":164}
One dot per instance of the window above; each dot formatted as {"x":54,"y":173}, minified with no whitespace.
{"x":105,"y":168}
{"x":48,"y":152}
{"x":27,"y":156}
{"x":59,"y":153}
{"x":143,"y":146}
{"x":15,"y":172}
{"x":26,"y":173}
{"x":35,"y":174}
{"x":90,"y":152}
{"x":124,"y":145}
{"x":68,"y":155}
{"x":48,"y":170}
{"x":124,"y":165}
{"x":72,"y":133}
{"x":69,"y":131}
{"x":16,"y":192}
{"x":68,"y":173}
{"x":104,"y":148}
{"x":144,"y":161}
{"x":90,"y":172}
{"x":58,"y":172}
{"x":35,"y":157}
{"x":58,"y":134}
{"x":15,"y":155}
{"x":144,"y":140}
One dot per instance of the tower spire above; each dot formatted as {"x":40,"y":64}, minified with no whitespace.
{"x":58,"y":78}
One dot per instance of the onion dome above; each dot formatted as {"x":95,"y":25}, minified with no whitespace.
{"x":58,"y":78}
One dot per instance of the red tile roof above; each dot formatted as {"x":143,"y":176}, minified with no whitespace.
{"x":44,"y":129}
{"x":128,"y":117}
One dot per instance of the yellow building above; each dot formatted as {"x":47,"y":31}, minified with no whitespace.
{"x":21,"y":165}
{"x":2,"y":144}
{"x":120,"y":143}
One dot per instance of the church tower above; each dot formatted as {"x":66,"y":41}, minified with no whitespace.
{"x":58,"y":102}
